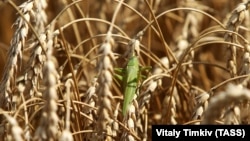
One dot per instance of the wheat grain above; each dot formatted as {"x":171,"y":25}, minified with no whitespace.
{"x":115,"y":125}
{"x":202,"y":103}
{"x":66,"y":136}
{"x":232,"y":116}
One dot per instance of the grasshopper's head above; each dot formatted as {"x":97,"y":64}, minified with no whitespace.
{"x":134,"y":45}
{"x":136,"y":48}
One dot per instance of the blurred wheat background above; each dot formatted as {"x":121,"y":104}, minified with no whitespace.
{"x":57,"y":62}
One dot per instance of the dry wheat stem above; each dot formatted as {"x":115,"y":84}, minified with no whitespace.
{"x":189,"y":31}
{"x":167,"y":48}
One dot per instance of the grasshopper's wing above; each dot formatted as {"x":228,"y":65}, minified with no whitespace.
{"x":130,"y":83}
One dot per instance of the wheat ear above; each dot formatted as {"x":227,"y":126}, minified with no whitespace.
{"x":235,"y":20}
{"x":232,"y":94}
{"x":91,"y":100}
{"x":105,"y":69}
{"x":40,"y":15}
{"x":66,"y":134}
{"x":48,"y":127}
{"x":15,"y":54}
{"x":15,"y":129}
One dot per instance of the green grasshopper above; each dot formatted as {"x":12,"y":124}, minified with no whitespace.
{"x":131,"y":81}
{"x":131,"y":74}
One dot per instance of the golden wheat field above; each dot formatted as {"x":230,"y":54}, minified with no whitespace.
{"x":61,"y":60}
